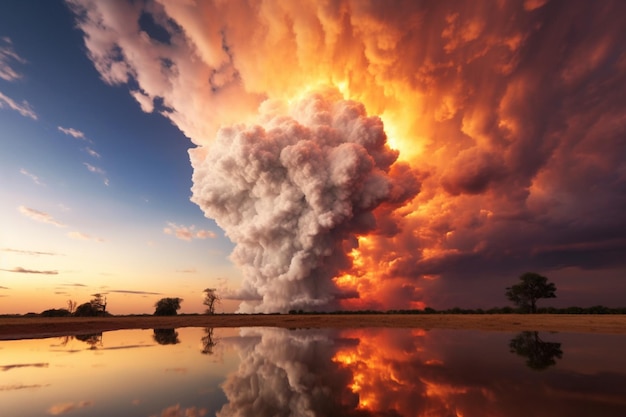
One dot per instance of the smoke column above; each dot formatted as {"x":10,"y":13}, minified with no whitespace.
{"x":508,"y":117}
{"x":294,"y":192}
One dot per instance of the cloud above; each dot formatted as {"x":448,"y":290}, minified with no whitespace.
{"x":145,"y":102}
{"x":187,"y":271}
{"x":22,"y":386}
{"x":40,"y":216}
{"x":7,"y":56}
{"x":74,"y":285}
{"x":4,"y":288}
{"x":75,"y":133}
{"x":21,"y":270}
{"x":92,"y":152}
{"x":31,"y":176}
{"x":517,"y":148}
{"x":28,"y":252}
{"x":177,"y":411}
{"x":83,"y":236}
{"x":97,"y":170}
{"x":187,"y":232}
{"x":134,"y":292}
{"x":68,"y":407}
{"x":24,"y":108}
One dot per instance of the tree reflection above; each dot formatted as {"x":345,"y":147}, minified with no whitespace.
{"x":208,"y":341}
{"x":92,"y":339}
{"x":539,"y":354}
{"x":165,"y":336}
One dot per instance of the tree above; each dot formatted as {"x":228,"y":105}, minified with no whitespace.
{"x":86,"y":310}
{"x":211,"y":299}
{"x":531,"y":287}
{"x":71,"y":306}
{"x":56,"y":312}
{"x":167,"y":306}
{"x":99,"y":303}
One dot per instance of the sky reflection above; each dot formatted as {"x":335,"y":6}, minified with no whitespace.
{"x":196,"y":372}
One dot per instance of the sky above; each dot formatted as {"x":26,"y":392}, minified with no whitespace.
{"x":318,"y":155}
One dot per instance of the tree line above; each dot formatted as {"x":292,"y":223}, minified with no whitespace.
{"x":525,"y":294}
{"x":97,"y":306}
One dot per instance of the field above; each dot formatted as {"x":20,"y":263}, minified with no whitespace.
{"x":34,"y":327}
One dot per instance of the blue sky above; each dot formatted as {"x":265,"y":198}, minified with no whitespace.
{"x":87,"y":157}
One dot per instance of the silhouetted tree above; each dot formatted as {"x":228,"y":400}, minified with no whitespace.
{"x":86,"y":310}
{"x":99,"y":303}
{"x":167,"y":306}
{"x":539,"y":354}
{"x":165,"y":336}
{"x":211,"y":299}
{"x":531,"y":287}
{"x":71,"y":306}
{"x":56,"y":312}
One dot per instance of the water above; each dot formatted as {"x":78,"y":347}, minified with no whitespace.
{"x":259,"y":372}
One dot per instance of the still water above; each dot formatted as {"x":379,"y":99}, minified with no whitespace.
{"x":258,"y":372}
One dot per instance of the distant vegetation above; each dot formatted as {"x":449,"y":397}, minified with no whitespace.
{"x":95,"y":308}
{"x":495,"y":310}
{"x":167,"y":306}
{"x":524,"y":295}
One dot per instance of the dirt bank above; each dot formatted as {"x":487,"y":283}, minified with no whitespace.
{"x":34,"y":327}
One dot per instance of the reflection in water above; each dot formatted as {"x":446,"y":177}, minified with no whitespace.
{"x":287,"y":373}
{"x":315,"y":373}
{"x":208,"y":341}
{"x":392,"y":372}
{"x":93,"y":339}
{"x":539,"y":354}
{"x":165,"y":336}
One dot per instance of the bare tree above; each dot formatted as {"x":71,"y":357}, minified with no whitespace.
{"x":71,"y":306}
{"x":211,"y":299}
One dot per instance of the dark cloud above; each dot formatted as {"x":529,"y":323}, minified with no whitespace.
{"x":21,"y":270}
{"x":134,"y":292}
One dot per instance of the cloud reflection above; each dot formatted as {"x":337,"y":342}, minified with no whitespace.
{"x":391,"y":372}
{"x":68,"y":407}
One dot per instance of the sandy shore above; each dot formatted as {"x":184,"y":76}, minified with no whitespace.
{"x":36,"y":327}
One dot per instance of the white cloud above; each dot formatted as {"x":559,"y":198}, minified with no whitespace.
{"x":92,"y":152}
{"x":70,"y":131}
{"x":7,"y":54}
{"x":187,"y":232}
{"x":33,"y":177}
{"x":39,"y":216}
{"x":24,"y":109}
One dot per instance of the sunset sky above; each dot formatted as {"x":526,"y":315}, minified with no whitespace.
{"x":316,"y":155}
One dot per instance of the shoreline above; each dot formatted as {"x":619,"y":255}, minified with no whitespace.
{"x":14,"y":328}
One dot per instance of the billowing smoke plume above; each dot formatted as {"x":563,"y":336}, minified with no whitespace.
{"x":513,"y":111}
{"x":294,"y":192}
